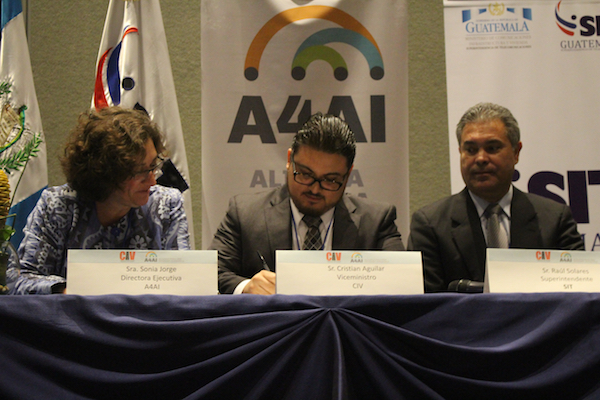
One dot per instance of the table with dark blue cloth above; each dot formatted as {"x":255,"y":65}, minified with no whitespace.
{"x":434,"y":346}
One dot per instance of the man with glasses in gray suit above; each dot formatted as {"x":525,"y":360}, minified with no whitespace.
{"x":309,"y":212}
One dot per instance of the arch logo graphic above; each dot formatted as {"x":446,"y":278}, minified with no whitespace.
{"x":151,"y":257}
{"x":563,"y":25}
{"x":109,"y":77}
{"x":315,"y":47}
{"x":356,"y":258}
{"x":566,"y":257}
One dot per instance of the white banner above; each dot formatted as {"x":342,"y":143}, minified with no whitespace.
{"x":269,"y":64}
{"x":540,"y":60}
{"x":134,"y":71}
{"x":22,"y":141}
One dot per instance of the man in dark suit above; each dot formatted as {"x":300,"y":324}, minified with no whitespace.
{"x":453,"y":233}
{"x":309,"y":212}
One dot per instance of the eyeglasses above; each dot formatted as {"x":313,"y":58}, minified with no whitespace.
{"x":308,"y":180}
{"x":156,"y":170}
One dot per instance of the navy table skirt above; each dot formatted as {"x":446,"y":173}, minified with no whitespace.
{"x":434,"y":346}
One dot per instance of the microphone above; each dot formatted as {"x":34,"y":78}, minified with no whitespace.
{"x":465,"y":286}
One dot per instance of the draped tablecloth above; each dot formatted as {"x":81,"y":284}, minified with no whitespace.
{"x":434,"y":346}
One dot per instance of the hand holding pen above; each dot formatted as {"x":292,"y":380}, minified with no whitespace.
{"x":263,"y":282}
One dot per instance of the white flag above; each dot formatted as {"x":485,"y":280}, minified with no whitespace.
{"x":134,"y":71}
{"x":22,"y":142}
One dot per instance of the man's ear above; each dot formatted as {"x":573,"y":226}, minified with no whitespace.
{"x":518,"y":151}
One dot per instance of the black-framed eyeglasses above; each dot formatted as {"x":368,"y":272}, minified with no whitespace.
{"x":308,"y":180}
{"x":156,"y":170}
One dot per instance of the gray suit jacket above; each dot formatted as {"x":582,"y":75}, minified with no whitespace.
{"x":449,"y":235}
{"x":262,"y":222}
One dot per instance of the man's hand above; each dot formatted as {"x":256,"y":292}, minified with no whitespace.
{"x":261,"y":283}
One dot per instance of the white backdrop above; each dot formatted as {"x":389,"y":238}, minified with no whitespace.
{"x":249,"y":115}
{"x":539,"y":59}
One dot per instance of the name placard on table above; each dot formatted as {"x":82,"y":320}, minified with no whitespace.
{"x":536,"y":271}
{"x":176,"y":272}
{"x":342,"y":273}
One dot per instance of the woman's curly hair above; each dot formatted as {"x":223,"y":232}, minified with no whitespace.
{"x":106,"y":148}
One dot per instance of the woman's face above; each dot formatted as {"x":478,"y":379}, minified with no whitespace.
{"x":136,"y":190}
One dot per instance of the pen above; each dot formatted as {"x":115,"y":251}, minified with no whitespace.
{"x":262,"y":259}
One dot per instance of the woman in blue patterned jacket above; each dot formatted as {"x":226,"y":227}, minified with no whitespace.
{"x":111,"y":161}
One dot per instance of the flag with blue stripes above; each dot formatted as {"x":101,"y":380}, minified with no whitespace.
{"x":22,"y":142}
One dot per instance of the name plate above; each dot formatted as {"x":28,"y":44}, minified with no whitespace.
{"x":535,"y":271}
{"x":343,"y":273}
{"x":133,"y":272}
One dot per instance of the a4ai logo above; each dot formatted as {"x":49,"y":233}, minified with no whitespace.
{"x":566,"y":257}
{"x":350,"y":32}
{"x":588,"y":25}
{"x":252,"y":117}
{"x":356,"y":258}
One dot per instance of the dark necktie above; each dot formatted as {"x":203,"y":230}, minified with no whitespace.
{"x":313,"y":236}
{"x":496,"y":238}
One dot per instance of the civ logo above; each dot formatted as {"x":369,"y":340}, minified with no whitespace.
{"x":543,"y":255}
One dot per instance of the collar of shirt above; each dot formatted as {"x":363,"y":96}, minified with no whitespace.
{"x":504,"y":202}
{"x":299,"y":228}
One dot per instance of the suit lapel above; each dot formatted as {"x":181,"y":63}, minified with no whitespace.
{"x":468,"y":235}
{"x":278,"y":220}
{"x":345,"y":225}
{"x":524,"y":226}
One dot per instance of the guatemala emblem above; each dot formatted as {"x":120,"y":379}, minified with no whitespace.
{"x":17,"y":142}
